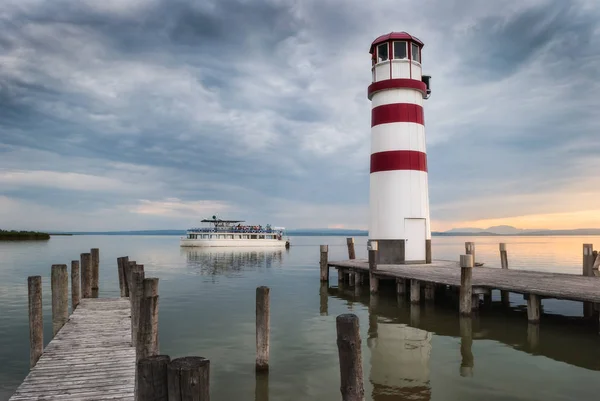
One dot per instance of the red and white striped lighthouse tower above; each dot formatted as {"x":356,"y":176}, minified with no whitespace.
{"x":399,"y":196}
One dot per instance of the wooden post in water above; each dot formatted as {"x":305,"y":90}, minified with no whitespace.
{"x":466,"y":344}
{"x":533,"y":308}
{"x":466,"y":289}
{"x":400,"y":286}
{"x":147,"y":334}
{"x":60,"y":297}
{"x":188,"y":378}
{"x":349,"y":351}
{"x":350,"y":243}
{"x":36,"y":319}
{"x":151,"y":378}
{"x":123,"y":266}
{"x":75,"y":284}
{"x":86,"y":275}
{"x":470,"y":250}
{"x":415,"y":291}
{"x":588,"y":271}
{"x":429,"y":292}
{"x":263,"y":327}
{"x":504,"y":295}
{"x":323,"y":263}
{"x":136,"y":292}
{"x":95,"y":261}
{"x":373,"y":248}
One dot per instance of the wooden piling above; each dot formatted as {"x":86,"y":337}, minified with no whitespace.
{"x":86,"y":275}
{"x":373,"y":248}
{"x":470,"y":250}
{"x":75,"y":284}
{"x":350,"y":243}
{"x":262,"y":328}
{"x":147,"y":333}
{"x":349,"y":351}
{"x":122,"y":266}
{"x":588,"y":271}
{"x":466,"y":289}
{"x":60,"y":297}
{"x":151,"y":378}
{"x":533,"y":308}
{"x":323,"y":263}
{"x":400,"y":286}
{"x":466,"y":344}
{"x":415,"y":291}
{"x":429,"y":292}
{"x":95,"y":262}
{"x":136,"y":292}
{"x":188,"y":379}
{"x":36,"y":319}
{"x":504,"y":295}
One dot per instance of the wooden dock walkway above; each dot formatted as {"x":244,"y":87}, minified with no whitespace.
{"x":90,"y":358}
{"x":445,"y":272}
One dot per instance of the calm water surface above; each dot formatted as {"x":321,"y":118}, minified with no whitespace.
{"x":207,"y":309}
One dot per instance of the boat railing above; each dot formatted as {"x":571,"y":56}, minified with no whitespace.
{"x":234,"y":230}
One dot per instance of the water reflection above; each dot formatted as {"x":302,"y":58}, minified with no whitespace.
{"x":226,"y":261}
{"x":399,"y":337}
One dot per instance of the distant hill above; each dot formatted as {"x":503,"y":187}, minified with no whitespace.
{"x":510,"y":230}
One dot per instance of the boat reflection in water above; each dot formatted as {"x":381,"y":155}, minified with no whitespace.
{"x":229,"y":261}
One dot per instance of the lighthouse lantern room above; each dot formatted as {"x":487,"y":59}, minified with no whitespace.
{"x":399,"y":196}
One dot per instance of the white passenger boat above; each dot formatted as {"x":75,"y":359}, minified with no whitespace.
{"x":232,"y":233}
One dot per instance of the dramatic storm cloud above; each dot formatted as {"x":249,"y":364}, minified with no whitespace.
{"x":140,"y":114}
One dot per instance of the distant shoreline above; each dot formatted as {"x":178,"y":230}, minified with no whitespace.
{"x":23,"y":236}
{"x":337,"y":233}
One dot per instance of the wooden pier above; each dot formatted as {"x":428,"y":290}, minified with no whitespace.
{"x":90,"y":358}
{"x":420,"y":281}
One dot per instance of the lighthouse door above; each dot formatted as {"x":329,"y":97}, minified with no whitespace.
{"x":414,"y":231}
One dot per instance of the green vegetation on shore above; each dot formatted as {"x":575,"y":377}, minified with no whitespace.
{"x":22,"y":235}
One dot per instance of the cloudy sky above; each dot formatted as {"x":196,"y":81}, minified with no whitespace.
{"x":151,"y":114}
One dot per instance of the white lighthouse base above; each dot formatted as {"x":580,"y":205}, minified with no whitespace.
{"x":394,"y":252}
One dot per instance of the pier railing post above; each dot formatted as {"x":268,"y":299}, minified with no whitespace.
{"x":147,"y":333}
{"x":36,"y":319}
{"x":350,"y":243}
{"x":466,"y":289}
{"x":263,"y":313}
{"x":122,"y":266}
{"x":588,"y":266}
{"x":136,"y":291}
{"x":60,"y":297}
{"x":86,"y":275}
{"x":95,"y":261}
{"x":349,"y":351}
{"x":151,"y":378}
{"x":373,"y":248}
{"x":188,"y":378}
{"x":504,"y":295}
{"x":323,"y":263}
{"x":470,"y":250}
{"x":75,"y":284}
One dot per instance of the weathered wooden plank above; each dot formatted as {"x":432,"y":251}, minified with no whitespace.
{"x":90,"y":358}
{"x":550,"y":285}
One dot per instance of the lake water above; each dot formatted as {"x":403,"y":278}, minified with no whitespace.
{"x":207,"y":309}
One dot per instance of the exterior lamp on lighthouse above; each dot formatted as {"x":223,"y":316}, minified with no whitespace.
{"x":399,"y":195}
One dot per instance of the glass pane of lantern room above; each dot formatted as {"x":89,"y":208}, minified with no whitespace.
{"x":416,"y":56}
{"x":382,"y":52}
{"x":400,"y":51}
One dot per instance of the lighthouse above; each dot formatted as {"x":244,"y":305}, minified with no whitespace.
{"x":399,"y":195}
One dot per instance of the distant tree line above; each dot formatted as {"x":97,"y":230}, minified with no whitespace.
{"x":23,"y":235}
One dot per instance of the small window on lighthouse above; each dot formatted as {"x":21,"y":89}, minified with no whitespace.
{"x":382,"y":52}
{"x":416,"y":56}
{"x":400,"y":50}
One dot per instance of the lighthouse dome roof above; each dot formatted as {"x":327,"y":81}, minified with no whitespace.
{"x":395,"y":35}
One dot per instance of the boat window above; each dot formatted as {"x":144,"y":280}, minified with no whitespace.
{"x":229,"y":236}
{"x":212,"y":236}
{"x":261,"y":237}
{"x":253,"y":237}
{"x":416,"y":56}
{"x":400,"y":50}
{"x":221,"y":236}
{"x":382,"y":52}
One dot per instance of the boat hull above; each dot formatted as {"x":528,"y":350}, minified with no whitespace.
{"x":232,"y":242}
